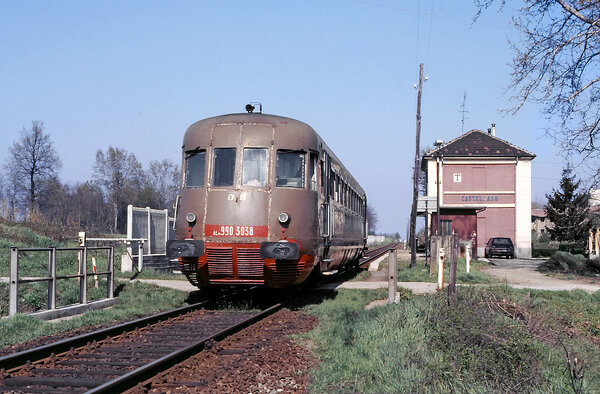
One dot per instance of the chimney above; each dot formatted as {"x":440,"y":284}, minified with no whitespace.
{"x":489,"y":131}
{"x":494,"y":129}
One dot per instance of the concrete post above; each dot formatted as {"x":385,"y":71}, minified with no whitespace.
{"x":440,"y":256}
{"x":52,"y":275}
{"x":140,"y":256}
{"x":392,"y":276}
{"x":110,"y":275}
{"x":14,"y":282}
{"x":83,"y":277}
{"x":468,"y":256}
{"x":149,"y":230}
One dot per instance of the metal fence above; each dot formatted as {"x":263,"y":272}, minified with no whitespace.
{"x":52,"y":277}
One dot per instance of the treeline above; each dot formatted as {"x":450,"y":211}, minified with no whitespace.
{"x":30,"y":189}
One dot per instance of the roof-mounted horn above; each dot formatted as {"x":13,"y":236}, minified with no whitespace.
{"x":250,"y":107}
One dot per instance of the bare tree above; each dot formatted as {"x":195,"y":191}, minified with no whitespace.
{"x":557,"y":64}
{"x":32,"y":162}
{"x":56,"y":205}
{"x":119,"y":174}
{"x":164,"y":176}
{"x":11,"y":205}
{"x":372,"y":219}
{"x":88,"y":209}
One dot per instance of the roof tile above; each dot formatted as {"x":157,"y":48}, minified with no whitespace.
{"x":479,"y":143}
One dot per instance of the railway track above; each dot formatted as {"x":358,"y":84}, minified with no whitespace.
{"x":118,"y":358}
{"x":371,"y":255}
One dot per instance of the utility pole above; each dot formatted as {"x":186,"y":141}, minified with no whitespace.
{"x":413,"y":213}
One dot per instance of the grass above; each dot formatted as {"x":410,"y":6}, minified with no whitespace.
{"x":487,"y":341}
{"x":135,"y":300}
{"x":420,"y":273}
{"x":149,"y":274}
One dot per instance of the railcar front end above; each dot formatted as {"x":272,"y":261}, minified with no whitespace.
{"x":247,"y":213}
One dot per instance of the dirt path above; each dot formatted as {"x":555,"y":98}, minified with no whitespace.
{"x":522,"y":274}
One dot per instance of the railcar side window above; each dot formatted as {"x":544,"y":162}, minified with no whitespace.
{"x":290,"y":169}
{"x":254,"y":167}
{"x":224,"y":167}
{"x":195,"y":163}
{"x":312,"y":171}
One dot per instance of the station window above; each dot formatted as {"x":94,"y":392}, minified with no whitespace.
{"x":331,"y":184}
{"x":254,"y":167}
{"x":195,"y":164}
{"x":224,"y":167}
{"x":290,"y":169}
{"x":446,"y":227}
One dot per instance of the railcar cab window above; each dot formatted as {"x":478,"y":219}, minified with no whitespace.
{"x":224,"y":167}
{"x":254,"y":167}
{"x":195,"y":164}
{"x":290,"y":169}
{"x":312,"y":171}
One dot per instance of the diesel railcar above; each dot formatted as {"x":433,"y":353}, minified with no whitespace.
{"x":264,"y":201}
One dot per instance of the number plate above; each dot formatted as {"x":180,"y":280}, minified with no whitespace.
{"x":217,"y":230}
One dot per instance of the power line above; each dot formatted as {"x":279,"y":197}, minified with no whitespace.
{"x":440,"y":16}
{"x":429,"y":33}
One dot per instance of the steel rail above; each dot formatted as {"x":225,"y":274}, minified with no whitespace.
{"x":150,"y":370}
{"x":35,"y":354}
{"x":376,"y":253}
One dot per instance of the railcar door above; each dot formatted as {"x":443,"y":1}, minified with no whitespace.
{"x":325,"y":208}
{"x":238,"y":186}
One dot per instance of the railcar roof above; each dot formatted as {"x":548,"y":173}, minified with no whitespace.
{"x":250,"y":117}
{"x":279,"y":121}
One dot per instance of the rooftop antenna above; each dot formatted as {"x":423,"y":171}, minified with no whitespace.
{"x":463,"y":110}
{"x":250,"y":107}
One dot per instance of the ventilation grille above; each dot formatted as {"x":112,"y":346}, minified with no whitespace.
{"x":285,"y":273}
{"x":249,"y":263}
{"x":220,"y":261}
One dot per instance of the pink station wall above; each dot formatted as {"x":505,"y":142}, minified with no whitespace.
{"x":481,"y":186}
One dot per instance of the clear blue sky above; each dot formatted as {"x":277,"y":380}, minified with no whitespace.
{"x":136,"y":74}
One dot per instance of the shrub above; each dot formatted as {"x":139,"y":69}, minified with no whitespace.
{"x":572,"y":247}
{"x":565,"y":262}
{"x":542,"y":252}
{"x":593,"y":266}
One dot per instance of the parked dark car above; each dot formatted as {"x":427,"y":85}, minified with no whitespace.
{"x":500,"y":247}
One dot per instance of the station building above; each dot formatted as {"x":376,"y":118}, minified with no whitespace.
{"x":484,"y":190}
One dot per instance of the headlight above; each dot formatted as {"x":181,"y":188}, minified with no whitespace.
{"x":190,"y":217}
{"x":283,"y":218}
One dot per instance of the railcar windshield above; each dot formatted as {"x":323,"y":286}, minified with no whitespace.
{"x":290,"y":169}
{"x":195,"y":164}
{"x":224,"y":167}
{"x":254,"y":167}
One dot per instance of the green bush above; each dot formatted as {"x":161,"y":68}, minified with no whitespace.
{"x":572,"y":247}
{"x":542,"y":252}
{"x":564,"y":262}
{"x":593,"y":266}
